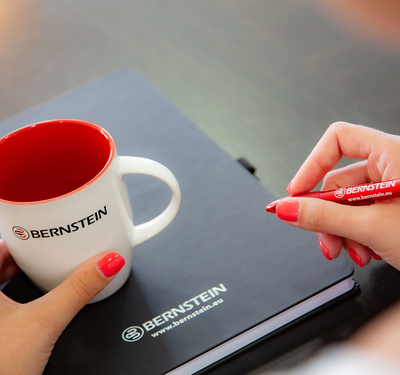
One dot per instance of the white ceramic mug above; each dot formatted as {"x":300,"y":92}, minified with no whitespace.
{"x":63,"y":200}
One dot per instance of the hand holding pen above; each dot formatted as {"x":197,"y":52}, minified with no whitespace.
{"x":359,"y":195}
{"x":365,"y":231}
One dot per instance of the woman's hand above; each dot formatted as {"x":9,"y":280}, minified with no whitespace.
{"x":364,"y":231}
{"x":29,"y":331}
{"x":8,"y":268}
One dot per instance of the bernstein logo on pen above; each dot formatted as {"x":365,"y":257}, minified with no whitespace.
{"x":24,"y":234}
{"x":353,"y":195}
{"x":339,"y":193}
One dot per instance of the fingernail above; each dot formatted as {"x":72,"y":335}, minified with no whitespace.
{"x":324,"y":249}
{"x":375,"y":255}
{"x":288,"y":210}
{"x":272,"y":207}
{"x":289,"y":187}
{"x":111,"y":264}
{"x":356,"y":258}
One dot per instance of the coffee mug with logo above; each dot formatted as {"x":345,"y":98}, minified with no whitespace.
{"x":63,"y":199}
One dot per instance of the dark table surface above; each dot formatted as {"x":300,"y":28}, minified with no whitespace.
{"x":263,"y":79}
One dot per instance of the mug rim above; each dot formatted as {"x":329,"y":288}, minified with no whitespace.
{"x":111,"y":155}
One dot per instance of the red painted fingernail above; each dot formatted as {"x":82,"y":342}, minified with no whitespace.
{"x":324,"y":249}
{"x":356,"y":258}
{"x":375,"y":255}
{"x":288,"y":210}
{"x":111,"y":264}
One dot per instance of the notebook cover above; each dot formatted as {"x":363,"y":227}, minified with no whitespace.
{"x":223,"y":267}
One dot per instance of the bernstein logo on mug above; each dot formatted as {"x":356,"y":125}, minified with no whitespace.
{"x":21,"y":233}
{"x":24,"y":234}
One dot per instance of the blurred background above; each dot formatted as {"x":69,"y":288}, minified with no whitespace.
{"x":264,"y":79}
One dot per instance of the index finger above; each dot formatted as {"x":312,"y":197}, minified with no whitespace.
{"x":340,"y":139}
{"x":4,"y":254}
{"x":8,"y":268}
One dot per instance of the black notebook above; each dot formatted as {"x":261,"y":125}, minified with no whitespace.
{"x":223,"y":275}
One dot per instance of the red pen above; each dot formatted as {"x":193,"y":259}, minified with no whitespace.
{"x":353,"y":195}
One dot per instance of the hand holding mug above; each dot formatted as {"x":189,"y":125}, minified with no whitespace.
{"x":63,"y":200}
{"x":30,"y":330}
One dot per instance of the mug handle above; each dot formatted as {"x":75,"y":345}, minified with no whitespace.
{"x":137,"y":165}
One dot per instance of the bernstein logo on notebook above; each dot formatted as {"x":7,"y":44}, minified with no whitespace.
{"x":170,"y":319}
{"x":24,"y":234}
{"x":133,"y":333}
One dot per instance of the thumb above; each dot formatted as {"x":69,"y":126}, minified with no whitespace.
{"x":63,"y":302}
{"x":367,"y":230}
{"x":322,"y":216}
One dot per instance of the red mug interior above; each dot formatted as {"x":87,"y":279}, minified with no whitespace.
{"x":50,"y":159}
